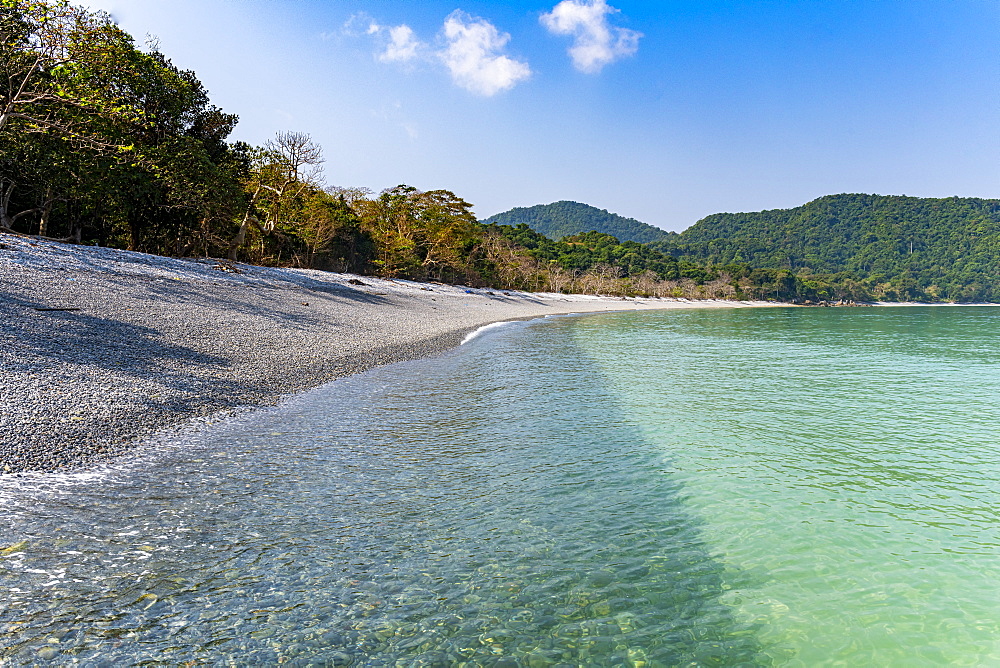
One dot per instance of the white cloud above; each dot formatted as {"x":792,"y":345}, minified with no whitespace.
{"x":596,"y":42}
{"x":403,"y":45}
{"x":472,"y":51}
{"x":474,"y":56}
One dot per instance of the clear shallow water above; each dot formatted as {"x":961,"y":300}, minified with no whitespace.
{"x":846,"y":461}
{"x":737,"y":487}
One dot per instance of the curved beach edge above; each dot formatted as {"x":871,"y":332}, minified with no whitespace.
{"x":103,"y":349}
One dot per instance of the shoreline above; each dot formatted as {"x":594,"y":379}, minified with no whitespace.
{"x":102,"y":349}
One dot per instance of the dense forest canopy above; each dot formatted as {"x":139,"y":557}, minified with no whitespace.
{"x":566,"y":219}
{"x":896,"y":247}
{"x":583,"y":251}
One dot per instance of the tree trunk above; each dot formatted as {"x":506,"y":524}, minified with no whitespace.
{"x":133,"y":236}
{"x":241,"y":236}
{"x":43,"y":224}
{"x":6,"y":190}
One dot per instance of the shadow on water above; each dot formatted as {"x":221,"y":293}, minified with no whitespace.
{"x":490,"y":508}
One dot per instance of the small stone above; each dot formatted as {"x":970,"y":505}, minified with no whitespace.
{"x":602,"y":579}
{"x":340,"y":659}
{"x":48,"y":653}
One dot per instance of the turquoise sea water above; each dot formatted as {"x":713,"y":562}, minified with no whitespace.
{"x":787,"y":487}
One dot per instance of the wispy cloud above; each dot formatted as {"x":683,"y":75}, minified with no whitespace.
{"x":475,"y":58}
{"x":596,"y":42}
{"x":358,"y":24}
{"x":394,"y":115}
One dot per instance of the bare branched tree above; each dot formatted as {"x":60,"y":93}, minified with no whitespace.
{"x":288,"y":166}
{"x":297,"y":158}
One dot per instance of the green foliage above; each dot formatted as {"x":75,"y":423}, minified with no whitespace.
{"x":888,"y":247}
{"x":333,"y":235}
{"x":566,"y":219}
{"x":66,"y":71}
{"x":423,"y":235}
{"x":582,"y":252}
{"x":103,"y":142}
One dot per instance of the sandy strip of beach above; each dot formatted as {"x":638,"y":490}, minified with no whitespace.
{"x":100,"y":349}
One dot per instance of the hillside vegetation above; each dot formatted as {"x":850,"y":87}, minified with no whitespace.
{"x":894,"y":247}
{"x":567,"y":219}
{"x":595,"y":262}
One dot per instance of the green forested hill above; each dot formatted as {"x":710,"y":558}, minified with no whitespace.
{"x":566,"y":219}
{"x":898,"y":247}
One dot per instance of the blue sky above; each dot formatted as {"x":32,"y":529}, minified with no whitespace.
{"x":662,"y":111}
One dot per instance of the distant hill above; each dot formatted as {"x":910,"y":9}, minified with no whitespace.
{"x":901,"y":247}
{"x":566,"y":219}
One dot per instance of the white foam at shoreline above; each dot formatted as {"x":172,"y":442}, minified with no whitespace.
{"x":475,"y":333}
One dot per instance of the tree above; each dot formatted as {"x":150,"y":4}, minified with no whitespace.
{"x":286,"y":169}
{"x":183,"y":171}
{"x":59,"y":62}
{"x":448,"y":235}
{"x":91,"y":127}
{"x":332,"y":234}
{"x":422,"y":235}
{"x":56,"y":98}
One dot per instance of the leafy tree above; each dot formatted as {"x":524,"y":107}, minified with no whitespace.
{"x":281,"y":175}
{"x":57,"y":98}
{"x":57,"y":61}
{"x":431,"y":234}
{"x":108,"y":138}
{"x":333,"y":235}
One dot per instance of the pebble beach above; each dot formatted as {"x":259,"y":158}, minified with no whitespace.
{"x":103,"y":349}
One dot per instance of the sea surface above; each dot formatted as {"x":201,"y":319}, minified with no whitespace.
{"x":732,"y":487}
